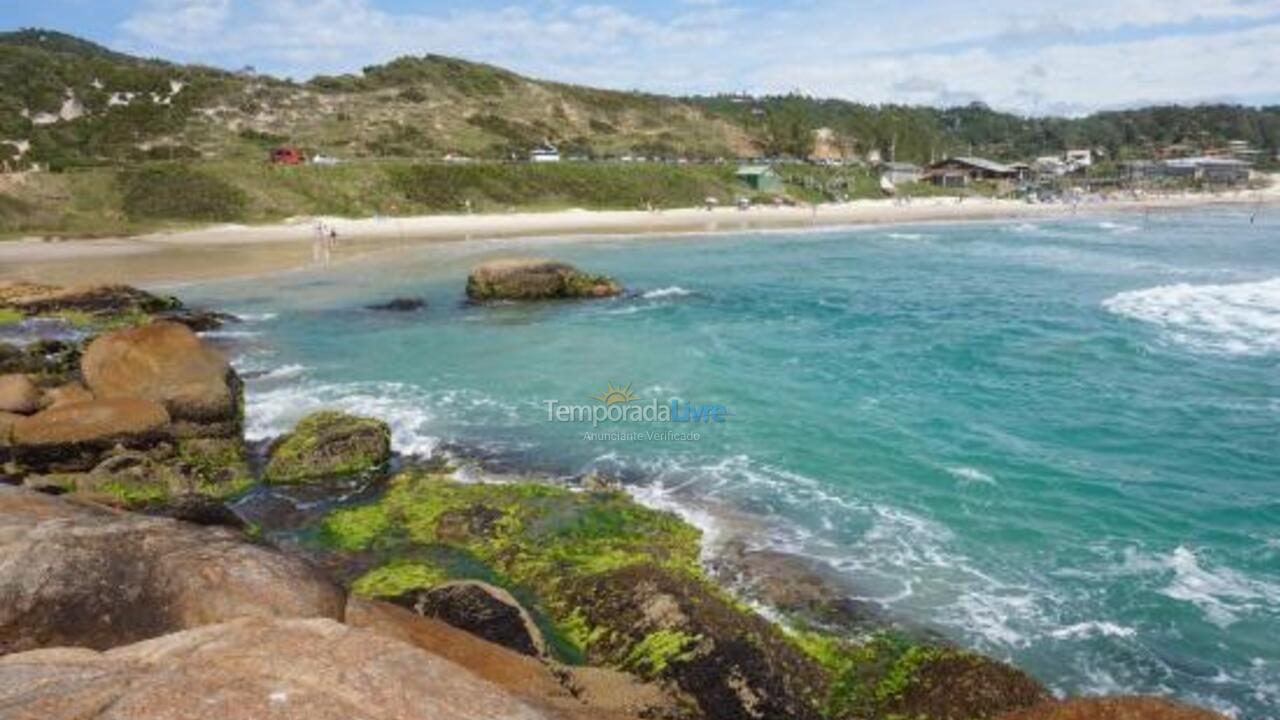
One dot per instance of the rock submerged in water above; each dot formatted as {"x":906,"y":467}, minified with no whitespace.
{"x":329,"y":444}
{"x":402,"y":304}
{"x":536,"y":279}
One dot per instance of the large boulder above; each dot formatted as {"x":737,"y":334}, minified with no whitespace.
{"x":329,"y":444}
{"x":535,"y":279}
{"x":481,"y":609}
{"x":73,"y":573}
{"x":73,"y":437}
{"x":252,"y":669}
{"x":1114,"y":708}
{"x":18,"y":394}
{"x":166,"y":362}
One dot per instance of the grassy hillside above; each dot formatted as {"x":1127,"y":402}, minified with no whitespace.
{"x":113,"y":129}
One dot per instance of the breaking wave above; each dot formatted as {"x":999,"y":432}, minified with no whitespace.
{"x":1236,"y":319}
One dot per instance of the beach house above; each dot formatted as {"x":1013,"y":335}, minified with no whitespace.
{"x":961,"y":171}
{"x":761,"y":178}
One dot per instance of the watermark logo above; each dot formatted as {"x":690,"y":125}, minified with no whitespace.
{"x":619,"y":404}
{"x":614,"y":396}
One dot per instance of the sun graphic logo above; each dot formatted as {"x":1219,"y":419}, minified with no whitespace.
{"x":616,"y":395}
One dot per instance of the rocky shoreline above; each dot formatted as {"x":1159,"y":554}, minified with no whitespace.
{"x":152,"y":565}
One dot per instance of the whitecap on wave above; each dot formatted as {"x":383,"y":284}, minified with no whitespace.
{"x":274,"y":412}
{"x":1222,"y":593}
{"x":666,"y":292}
{"x":969,"y":475}
{"x":1237,"y":319}
{"x":1095,"y":628}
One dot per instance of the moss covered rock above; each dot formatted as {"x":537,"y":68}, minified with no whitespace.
{"x":329,"y":444}
{"x":893,"y":676}
{"x":535,"y":279}
{"x":613,"y":582}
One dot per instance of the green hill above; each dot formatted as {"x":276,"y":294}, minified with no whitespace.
{"x":98,"y":119}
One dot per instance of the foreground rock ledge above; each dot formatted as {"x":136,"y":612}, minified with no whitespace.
{"x":536,"y":279}
{"x":251,"y":669}
{"x":78,"y":574}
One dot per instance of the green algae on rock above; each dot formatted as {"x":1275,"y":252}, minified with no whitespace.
{"x":617,"y":584}
{"x":535,"y":279}
{"x":329,"y":444}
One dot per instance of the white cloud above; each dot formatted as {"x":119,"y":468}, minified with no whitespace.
{"x":1012,"y":53}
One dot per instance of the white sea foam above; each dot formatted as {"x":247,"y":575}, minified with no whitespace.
{"x":283,"y":372}
{"x":968,"y":475}
{"x":231,"y":334}
{"x":1239,"y":318}
{"x":666,"y":292}
{"x":273,"y":412}
{"x":1221,"y":593}
{"x":906,"y":236}
{"x":1095,"y":628}
{"x":1118,"y":228}
{"x":256,"y":317}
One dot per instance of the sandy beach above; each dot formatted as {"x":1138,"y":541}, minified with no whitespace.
{"x":238,"y":250}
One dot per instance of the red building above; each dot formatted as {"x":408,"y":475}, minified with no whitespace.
{"x":287,"y":156}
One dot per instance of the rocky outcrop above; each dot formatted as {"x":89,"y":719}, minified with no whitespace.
{"x":251,"y":669}
{"x":73,"y":437}
{"x":535,"y":279}
{"x":1114,"y":708}
{"x":329,"y":444}
{"x":72,"y":573}
{"x":18,"y":394}
{"x":662,"y":624}
{"x":166,"y":362}
{"x":39,"y":298}
{"x":482,"y":610}
{"x":567,"y":692}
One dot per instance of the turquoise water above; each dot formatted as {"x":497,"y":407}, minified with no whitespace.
{"x":1057,"y":442}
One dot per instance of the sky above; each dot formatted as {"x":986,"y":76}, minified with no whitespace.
{"x":1028,"y":56}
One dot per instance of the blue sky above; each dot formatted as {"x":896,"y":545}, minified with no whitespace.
{"x":1031,"y":56}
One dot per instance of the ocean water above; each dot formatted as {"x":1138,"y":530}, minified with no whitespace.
{"x":1057,"y":442}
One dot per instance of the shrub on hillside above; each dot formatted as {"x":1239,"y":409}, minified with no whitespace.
{"x":449,"y":187}
{"x":179,"y":192}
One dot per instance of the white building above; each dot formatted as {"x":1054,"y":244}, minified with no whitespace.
{"x":546,"y":154}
